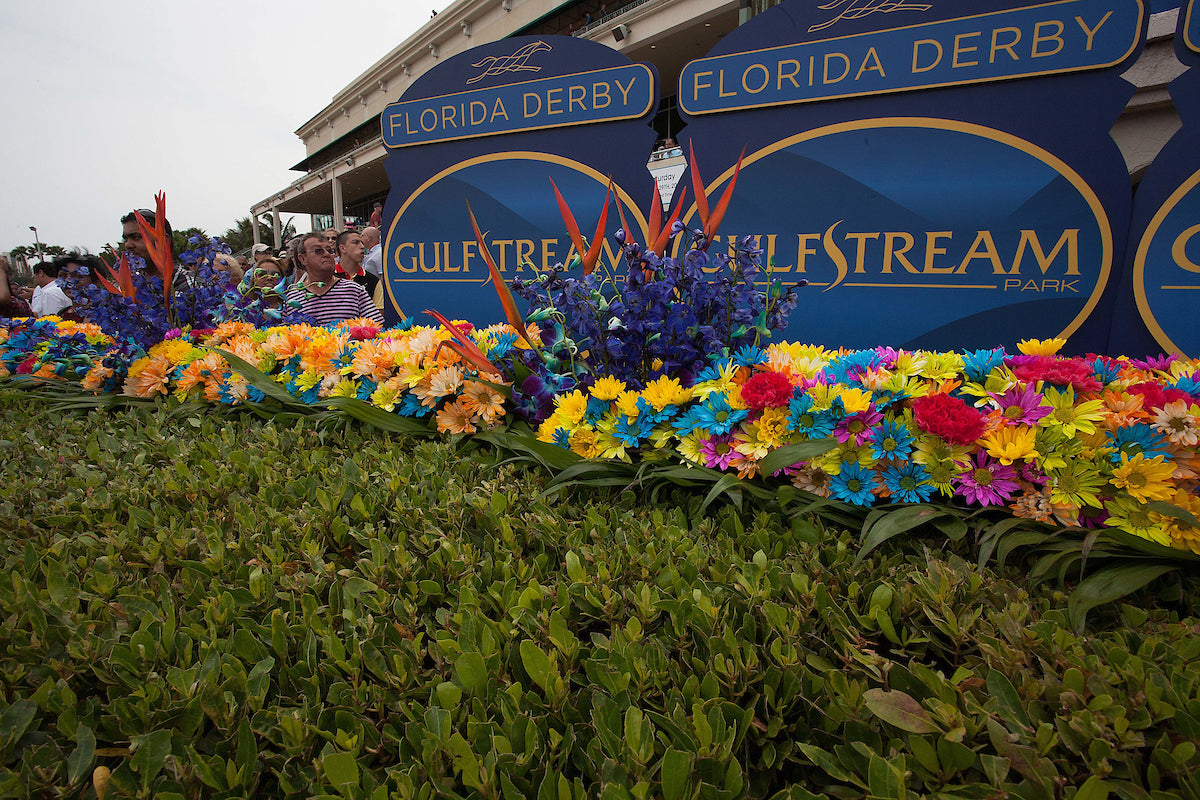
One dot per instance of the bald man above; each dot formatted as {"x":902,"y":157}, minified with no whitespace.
{"x":373,"y":261}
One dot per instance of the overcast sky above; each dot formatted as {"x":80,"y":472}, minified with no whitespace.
{"x":109,"y":102}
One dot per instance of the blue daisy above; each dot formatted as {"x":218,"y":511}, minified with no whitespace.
{"x":908,"y":483}
{"x":716,"y":416}
{"x":891,"y":439}
{"x":853,"y":484}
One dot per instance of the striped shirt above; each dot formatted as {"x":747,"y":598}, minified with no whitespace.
{"x":344,"y":300}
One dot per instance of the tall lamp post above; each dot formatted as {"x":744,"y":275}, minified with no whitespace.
{"x":39,"y":243}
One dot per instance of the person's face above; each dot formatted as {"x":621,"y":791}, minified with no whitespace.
{"x":352,"y":249}
{"x":260,"y":256}
{"x":317,"y":259}
{"x":331,"y":238}
{"x":134,"y":243}
{"x":267,"y":275}
{"x":243,"y":262}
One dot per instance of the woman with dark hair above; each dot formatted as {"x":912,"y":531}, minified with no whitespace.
{"x":10,"y":304}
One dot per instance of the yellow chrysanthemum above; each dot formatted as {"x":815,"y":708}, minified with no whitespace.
{"x":664,"y":391}
{"x":724,"y":382}
{"x":1012,"y":443}
{"x":174,"y":351}
{"x":584,"y":442}
{"x":571,"y":407}
{"x":1041,"y":347}
{"x":607,"y":388}
{"x":627,"y":403}
{"x":1144,"y":478}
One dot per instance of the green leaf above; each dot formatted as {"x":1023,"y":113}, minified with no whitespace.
{"x":16,"y":719}
{"x":449,"y":695}
{"x":1094,"y":788}
{"x":471,"y":672}
{"x":1174,"y":511}
{"x":536,"y":663}
{"x":893,"y":523}
{"x":79,"y":763}
{"x":676,"y":767}
{"x":149,"y":752}
{"x":1001,"y":688}
{"x":1109,"y":584}
{"x":790,"y":454}
{"x":341,"y":769}
{"x":376,"y":417}
{"x":899,"y":709}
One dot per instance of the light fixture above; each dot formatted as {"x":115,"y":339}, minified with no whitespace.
{"x":345,"y":111}
{"x":350,"y":161}
{"x":383,"y":86}
{"x":433,"y":49}
{"x":620,"y":32}
{"x":362,"y":98}
{"x":404,"y":68}
{"x":466,"y":27}
{"x":321,"y":174}
{"x":506,"y":5}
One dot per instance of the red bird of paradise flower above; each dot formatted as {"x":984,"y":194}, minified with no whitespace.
{"x":158,"y":243}
{"x":509,"y":303}
{"x":592,"y":255}
{"x":711,"y":221}
{"x":123,"y":275}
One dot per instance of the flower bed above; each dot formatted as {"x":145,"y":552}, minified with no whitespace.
{"x":1091,"y":442}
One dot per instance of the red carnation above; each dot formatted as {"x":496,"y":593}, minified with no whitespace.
{"x":26,"y":366}
{"x":949,"y":418}
{"x":1155,"y":396}
{"x":1057,"y":371}
{"x":766,"y":389}
{"x":363,"y":332}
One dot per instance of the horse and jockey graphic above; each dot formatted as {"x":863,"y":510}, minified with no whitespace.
{"x":517,"y":62}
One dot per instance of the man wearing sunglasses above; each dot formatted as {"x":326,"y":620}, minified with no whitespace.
{"x":323,"y":294}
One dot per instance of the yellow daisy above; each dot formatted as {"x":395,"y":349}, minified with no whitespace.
{"x":1144,"y":479}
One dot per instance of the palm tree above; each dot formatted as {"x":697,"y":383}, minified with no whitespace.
{"x":241,"y":236}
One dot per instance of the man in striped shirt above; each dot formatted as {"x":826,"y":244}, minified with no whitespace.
{"x":323,"y":295}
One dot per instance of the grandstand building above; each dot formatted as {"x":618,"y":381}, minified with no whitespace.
{"x":342,"y":174}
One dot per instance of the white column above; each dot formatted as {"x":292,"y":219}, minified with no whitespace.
{"x":339,"y":221}
{"x":254,"y":225}
{"x":275,"y":227}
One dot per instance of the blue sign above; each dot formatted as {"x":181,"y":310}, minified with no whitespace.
{"x":1053,"y":38}
{"x":605,"y":95}
{"x":946,"y":179}
{"x":557,"y":108}
{"x":1161,"y":278}
{"x":892,"y":258}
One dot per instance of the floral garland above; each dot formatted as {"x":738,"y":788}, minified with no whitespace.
{"x":1090,"y":442}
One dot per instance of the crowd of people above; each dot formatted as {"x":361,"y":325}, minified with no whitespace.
{"x":328,"y":275}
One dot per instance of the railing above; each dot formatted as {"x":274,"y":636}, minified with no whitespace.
{"x":610,"y":16}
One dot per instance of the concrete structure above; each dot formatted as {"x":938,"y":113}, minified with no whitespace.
{"x":343,"y":174}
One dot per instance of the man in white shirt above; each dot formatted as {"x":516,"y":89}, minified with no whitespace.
{"x":48,"y":296}
{"x":373,"y":262}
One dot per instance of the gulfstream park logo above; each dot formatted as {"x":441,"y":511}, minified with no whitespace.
{"x":857,"y":9}
{"x":517,"y":62}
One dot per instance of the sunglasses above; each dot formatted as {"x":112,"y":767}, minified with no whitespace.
{"x":321,"y":251}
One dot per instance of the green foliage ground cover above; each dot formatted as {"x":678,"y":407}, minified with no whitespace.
{"x":225,"y":607}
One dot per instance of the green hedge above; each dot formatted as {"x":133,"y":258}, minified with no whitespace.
{"x":219,"y":607}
